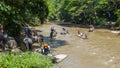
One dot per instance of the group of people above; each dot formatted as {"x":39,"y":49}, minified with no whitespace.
{"x":34,"y":37}
{"x":65,"y":31}
{"x":45,"y":48}
{"x":84,"y":35}
{"x":30,"y":37}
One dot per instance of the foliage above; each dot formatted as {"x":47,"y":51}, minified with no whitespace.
{"x":54,"y":7}
{"x":15,"y":13}
{"x":85,"y":11}
{"x":26,"y":60}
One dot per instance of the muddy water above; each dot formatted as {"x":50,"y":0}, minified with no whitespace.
{"x":100,"y":50}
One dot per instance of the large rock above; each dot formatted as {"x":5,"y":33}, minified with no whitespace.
{"x":58,"y":58}
{"x":11,"y":43}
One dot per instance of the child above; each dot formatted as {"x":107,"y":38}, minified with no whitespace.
{"x":46,"y":49}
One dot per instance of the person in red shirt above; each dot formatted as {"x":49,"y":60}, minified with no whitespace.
{"x":35,"y":32}
{"x":78,"y":31}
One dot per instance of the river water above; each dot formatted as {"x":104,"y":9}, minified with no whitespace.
{"x":100,"y":50}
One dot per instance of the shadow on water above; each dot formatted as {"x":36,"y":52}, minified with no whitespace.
{"x":65,"y":24}
{"x":55,"y":43}
{"x":38,"y":30}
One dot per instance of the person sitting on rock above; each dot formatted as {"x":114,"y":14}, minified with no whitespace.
{"x":35,"y":32}
{"x":27,"y":32}
{"x":46,"y":49}
{"x":35,"y":36}
{"x":3,"y":37}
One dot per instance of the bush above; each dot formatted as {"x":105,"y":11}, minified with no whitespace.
{"x":26,"y":60}
{"x":117,"y":22}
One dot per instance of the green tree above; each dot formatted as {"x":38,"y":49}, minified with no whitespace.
{"x":14,"y":13}
{"x":96,"y":12}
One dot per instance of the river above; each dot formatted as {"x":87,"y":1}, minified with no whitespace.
{"x":100,"y":50}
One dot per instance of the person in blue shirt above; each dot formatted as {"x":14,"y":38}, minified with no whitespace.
{"x":27,"y":32}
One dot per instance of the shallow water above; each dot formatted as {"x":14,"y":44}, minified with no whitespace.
{"x":100,"y":50}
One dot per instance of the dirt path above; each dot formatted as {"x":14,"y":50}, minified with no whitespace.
{"x":101,"y":50}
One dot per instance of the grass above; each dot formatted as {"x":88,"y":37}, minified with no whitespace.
{"x":26,"y":60}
